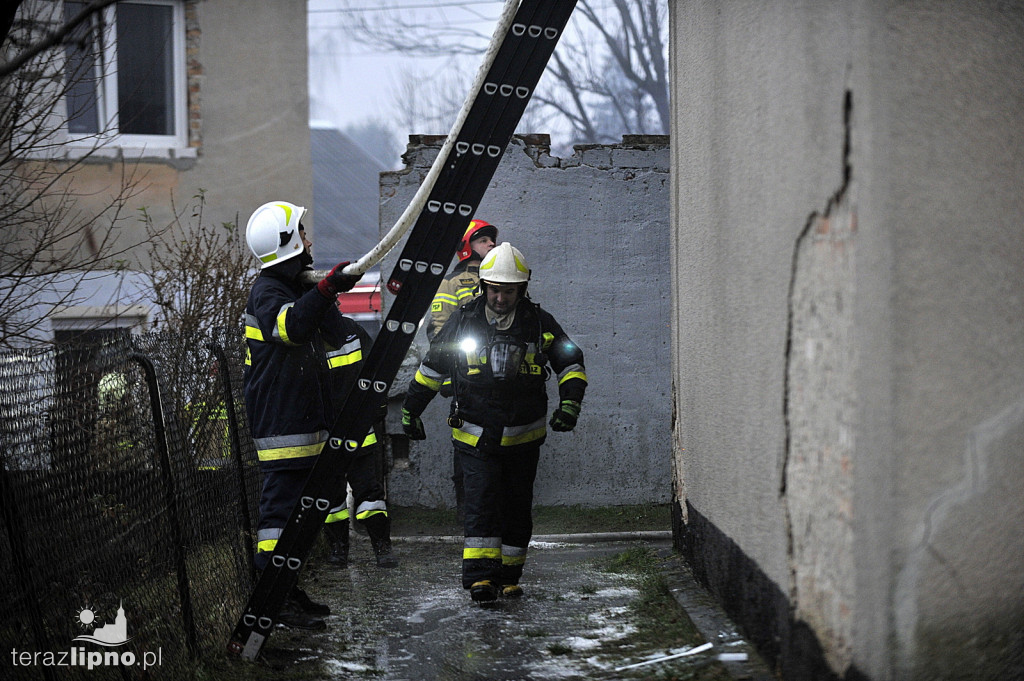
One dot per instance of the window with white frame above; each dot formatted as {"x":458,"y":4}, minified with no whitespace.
{"x":126,"y":75}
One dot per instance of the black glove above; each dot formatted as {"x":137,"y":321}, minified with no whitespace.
{"x":446,"y":389}
{"x":413,"y":425}
{"x":337,"y":282}
{"x":564,"y":418}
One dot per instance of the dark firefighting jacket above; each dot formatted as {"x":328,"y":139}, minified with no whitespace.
{"x":488,"y":411}
{"x":303,"y":357}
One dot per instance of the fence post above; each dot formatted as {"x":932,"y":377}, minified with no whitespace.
{"x":152,"y":381}
{"x":19,"y":559}
{"x":236,"y":452}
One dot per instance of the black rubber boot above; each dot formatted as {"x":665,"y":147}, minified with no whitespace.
{"x":337,"y":540}
{"x":511,"y":591}
{"x":483,"y":591}
{"x":308,"y":605}
{"x":294,"y":617}
{"x":378,"y":526}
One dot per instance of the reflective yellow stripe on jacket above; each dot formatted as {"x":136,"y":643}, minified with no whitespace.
{"x":470,"y":433}
{"x":281,"y":447}
{"x":429,"y":378}
{"x":281,"y":327}
{"x":445,"y":298}
{"x":252,"y":332}
{"x":570,"y":372}
{"x":349,"y":353}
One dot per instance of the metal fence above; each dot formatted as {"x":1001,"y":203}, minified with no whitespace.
{"x":129,"y":484}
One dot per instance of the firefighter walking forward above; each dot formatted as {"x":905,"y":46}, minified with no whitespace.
{"x":498,"y":350}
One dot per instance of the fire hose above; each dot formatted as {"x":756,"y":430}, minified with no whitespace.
{"x":415,"y":207}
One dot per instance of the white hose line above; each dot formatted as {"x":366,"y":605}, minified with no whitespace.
{"x":415,"y":206}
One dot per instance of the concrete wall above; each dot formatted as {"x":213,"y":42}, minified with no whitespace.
{"x":848,"y":329}
{"x":594,"y":229}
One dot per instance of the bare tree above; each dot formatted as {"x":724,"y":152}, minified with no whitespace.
{"x":50,"y":241}
{"x":607,"y":77}
{"x":201,"y":272}
{"x":621,"y":88}
{"x":199,"y":282}
{"x":430,"y":102}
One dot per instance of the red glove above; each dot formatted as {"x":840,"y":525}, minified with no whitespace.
{"x":337,"y":282}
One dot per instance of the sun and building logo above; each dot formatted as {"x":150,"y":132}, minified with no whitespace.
{"x":109,"y":635}
{"x":113,"y":634}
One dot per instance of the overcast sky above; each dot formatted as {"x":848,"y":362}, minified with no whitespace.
{"x":350,"y":82}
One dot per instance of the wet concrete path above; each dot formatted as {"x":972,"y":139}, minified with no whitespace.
{"x":416,"y":621}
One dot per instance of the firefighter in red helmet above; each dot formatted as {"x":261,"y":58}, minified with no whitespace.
{"x":459,"y":287}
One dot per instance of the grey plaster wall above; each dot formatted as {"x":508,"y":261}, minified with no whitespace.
{"x":848,"y":329}
{"x":594,"y":229}
{"x":255,"y":109}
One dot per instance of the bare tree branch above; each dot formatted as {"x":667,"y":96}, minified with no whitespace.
{"x":51,"y":242}
{"x":201,"y":273}
{"x":608,"y":75}
{"x":52,"y":39}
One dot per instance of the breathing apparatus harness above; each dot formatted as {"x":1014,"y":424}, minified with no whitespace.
{"x":495,"y":360}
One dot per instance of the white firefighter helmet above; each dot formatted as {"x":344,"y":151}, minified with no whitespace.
{"x":505,"y":264}
{"x":273,"y":232}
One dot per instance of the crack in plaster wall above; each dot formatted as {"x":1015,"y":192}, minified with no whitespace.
{"x":819,"y":403}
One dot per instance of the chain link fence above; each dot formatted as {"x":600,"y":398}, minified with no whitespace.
{"x":129,"y":488}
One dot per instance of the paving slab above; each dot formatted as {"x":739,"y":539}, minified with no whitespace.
{"x":417,"y":622}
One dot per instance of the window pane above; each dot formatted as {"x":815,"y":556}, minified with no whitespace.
{"x":145,"y":69}
{"x":83,"y":117}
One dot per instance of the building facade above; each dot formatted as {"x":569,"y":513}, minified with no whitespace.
{"x":173,"y":99}
{"x":848,"y":328}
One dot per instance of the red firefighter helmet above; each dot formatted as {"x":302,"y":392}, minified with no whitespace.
{"x":476,"y":228}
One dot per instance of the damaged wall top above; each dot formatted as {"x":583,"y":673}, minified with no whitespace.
{"x":594,"y":230}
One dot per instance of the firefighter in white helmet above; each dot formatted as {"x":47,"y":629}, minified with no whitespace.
{"x":303,"y":355}
{"x":498,"y":350}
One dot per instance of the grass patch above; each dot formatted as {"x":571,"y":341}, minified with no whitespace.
{"x":638,"y":560}
{"x":572,"y":519}
{"x":661,"y":624}
{"x":413,"y":521}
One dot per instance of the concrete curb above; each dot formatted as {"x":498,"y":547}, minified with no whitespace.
{"x":712,"y":622}
{"x":578,"y":538}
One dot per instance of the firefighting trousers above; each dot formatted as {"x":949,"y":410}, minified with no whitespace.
{"x":498,"y":487}
{"x":282,"y":489}
{"x":365,"y":476}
